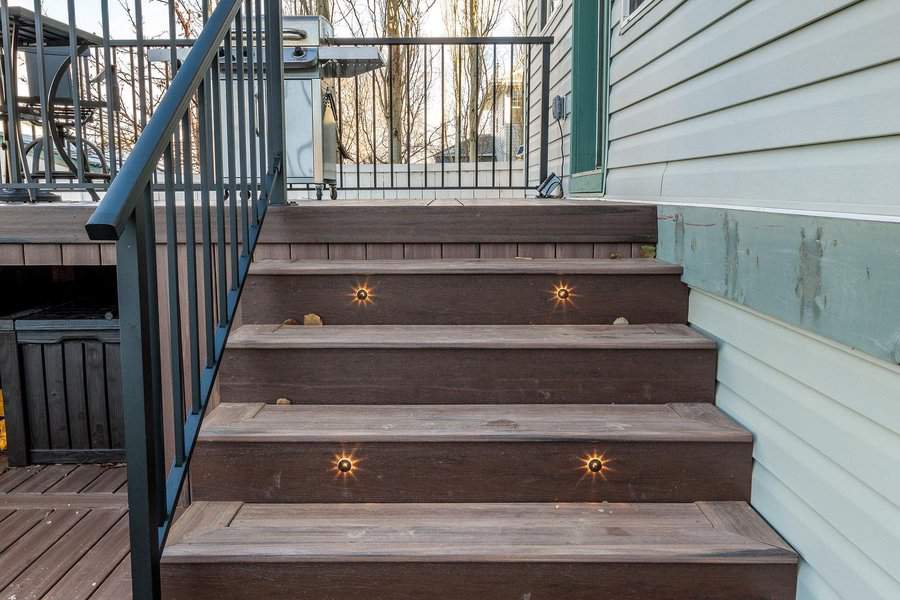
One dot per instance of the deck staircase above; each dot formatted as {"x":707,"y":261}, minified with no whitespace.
{"x":465,"y":429}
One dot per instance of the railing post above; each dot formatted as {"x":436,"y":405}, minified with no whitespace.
{"x":139,"y":323}
{"x":275,"y":103}
{"x":545,"y":113}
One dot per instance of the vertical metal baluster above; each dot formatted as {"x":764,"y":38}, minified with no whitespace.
{"x":545,"y":113}
{"x":443,"y":121}
{"x":221,"y":247}
{"x":49,"y":150}
{"x":141,"y":395}
{"x":408,"y":120}
{"x":356,"y":116}
{"x":176,"y":352}
{"x":242,"y":132}
{"x":11,"y":122}
{"x":251,"y":118}
{"x":391,"y":110}
{"x":151,"y":105}
{"x":494,"y":119}
{"x":459,"y":128}
{"x":134,"y":96}
{"x":171,"y":70}
{"x":76,"y":92}
{"x":261,"y":99}
{"x":275,"y":111}
{"x":232,"y":167}
{"x":339,"y":118}
{"x":526,"y":134}
{"x":477,"y":123}
{"x":101,"y":130}
{"x":117,"y":125}
{"x":205,"y":148}
{"x":141,"y":61}
{"x":190,"y":241}
{"x":374,"y":132}
{"x":512,"y":87}
{"x":426,"y":52}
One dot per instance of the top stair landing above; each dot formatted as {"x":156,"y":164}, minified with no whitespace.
{"x":461,"y":221}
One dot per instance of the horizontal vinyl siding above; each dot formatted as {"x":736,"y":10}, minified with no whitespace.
{"x":758,"y":103}
{"x":826,"y":425}
{"x":559,"y":26}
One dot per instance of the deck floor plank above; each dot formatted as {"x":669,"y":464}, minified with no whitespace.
{"x":109,"y":482}
{"x":118,"y":585}
{"x":18,"y":524}
{"x":13,"y":478}
{"x":64,"y":533}
{"x":18,"y":557}
{"x":77,"y":480}
{"x":63,"y":555}
{"x":41,"y":482}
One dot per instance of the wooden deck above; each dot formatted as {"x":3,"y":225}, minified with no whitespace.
{"x":64,"y":533}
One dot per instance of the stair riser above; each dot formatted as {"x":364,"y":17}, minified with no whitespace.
{"x":499,"y":581}
{"x":466,"y":299}
{"x":468,"y":376}
{"x":472,"y":472}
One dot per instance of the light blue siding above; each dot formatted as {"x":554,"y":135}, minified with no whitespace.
{"x":769,"y":134}
{"x":778,"y":104}
{"x":826,"y":423}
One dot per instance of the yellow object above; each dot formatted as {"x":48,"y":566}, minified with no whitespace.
{"x":2,"y":425}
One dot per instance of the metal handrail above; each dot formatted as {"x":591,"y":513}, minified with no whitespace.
{"x":234,"y":197}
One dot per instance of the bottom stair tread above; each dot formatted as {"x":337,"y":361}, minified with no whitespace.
{"x":717,"y":532}
{"x":576,"y":551}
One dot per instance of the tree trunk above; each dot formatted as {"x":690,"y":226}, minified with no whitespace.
{"x":396,"y":83}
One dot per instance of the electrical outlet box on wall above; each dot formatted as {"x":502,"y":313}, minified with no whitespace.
{"x":558,"y":109}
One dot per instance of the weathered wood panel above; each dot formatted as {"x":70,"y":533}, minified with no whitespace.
{"x":519,"y":223}
{"x":466,"y":550}
{"x":448,"y":376}
{"x":817,"y":274}
{"x":488,"y":298}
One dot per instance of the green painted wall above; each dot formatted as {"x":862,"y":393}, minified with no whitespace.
{"x":837,"y":278}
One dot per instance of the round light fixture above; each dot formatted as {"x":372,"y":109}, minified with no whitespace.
{"x":345,"y":465}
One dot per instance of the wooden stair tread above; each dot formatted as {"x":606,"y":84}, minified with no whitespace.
{"x":475,"y":533}
{"x":506,"y":337}
{"x":255,"y":422}
{"x":512,"y":266}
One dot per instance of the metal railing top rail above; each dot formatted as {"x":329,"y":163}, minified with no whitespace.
{"x":108,"y":220}
{"x":437,"y":41}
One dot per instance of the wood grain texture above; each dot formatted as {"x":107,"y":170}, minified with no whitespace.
{"x":467,"y":296}
{"x":478,"y":579}
{"x":81,"y":254}
{"x":462,"y":266}
{"x":521,"y":223}
{"x":43,"y":254}
{"x":469,"y":365}
{"x":472,"y":471}
{"x":12,"y":254}
{"x":448,"y":551}
{"x":496,"y":337}
{"x":246,"y":422}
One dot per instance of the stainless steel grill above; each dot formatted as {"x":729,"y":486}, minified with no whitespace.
{"x":310,"y":67}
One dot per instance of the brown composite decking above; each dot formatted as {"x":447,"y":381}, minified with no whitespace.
{"x":64,"y":533}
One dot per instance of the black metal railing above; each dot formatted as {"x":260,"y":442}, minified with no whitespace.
{"x":443,"y":112}
{"x":452,"y":112}
{"x":177,"y":301}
